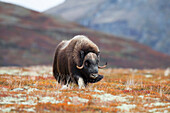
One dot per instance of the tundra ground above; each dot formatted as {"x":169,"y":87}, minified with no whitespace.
{"x":34,"y":89}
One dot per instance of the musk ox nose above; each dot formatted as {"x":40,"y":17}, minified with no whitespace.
{"x":95,"y":70}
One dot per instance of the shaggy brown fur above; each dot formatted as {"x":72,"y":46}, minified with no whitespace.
{"x":69,"y":54}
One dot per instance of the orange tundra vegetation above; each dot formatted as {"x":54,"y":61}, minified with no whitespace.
{"x":34,"y":89}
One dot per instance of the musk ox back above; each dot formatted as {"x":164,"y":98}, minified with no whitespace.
{"x":76,"y":60}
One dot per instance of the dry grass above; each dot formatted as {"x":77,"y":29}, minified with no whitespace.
{"x":34,"y":89}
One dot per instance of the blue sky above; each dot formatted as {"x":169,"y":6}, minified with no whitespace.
{"x":37,"y":5}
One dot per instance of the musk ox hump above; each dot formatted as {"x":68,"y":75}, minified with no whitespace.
{"x":65,"y":43}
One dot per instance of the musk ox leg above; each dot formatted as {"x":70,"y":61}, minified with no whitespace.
{"x":68,"y":80}
{"x":81,"y":83}
{"x":57,"y":78}
{"x":64,"y":87}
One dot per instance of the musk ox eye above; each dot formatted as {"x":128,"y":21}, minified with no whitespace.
{"x":87,"y":63}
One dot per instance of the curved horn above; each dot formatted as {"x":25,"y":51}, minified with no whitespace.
{"x":81,"y":67}
{"x":101,"y":67}
{"x":81,"y":57}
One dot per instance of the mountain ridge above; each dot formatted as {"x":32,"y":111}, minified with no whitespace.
{"x":146,"y":22}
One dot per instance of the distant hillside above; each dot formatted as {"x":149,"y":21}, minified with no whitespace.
{"x":30,"y":38}
{"x":145,"y":21}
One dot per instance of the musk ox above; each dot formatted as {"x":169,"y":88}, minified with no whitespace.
{"x":76,"y":60}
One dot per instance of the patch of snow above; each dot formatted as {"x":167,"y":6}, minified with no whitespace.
{"x":156,"y":104}
{"x":31,"y":90}
{"x":166,"y":111}
{"x":158,"y":110}
{"x":157,"y":99}
{"x":64,"y":87}
{"x":29,"y":73}
{"x":128,"y":96}
{"x":49,"y":99}
{"x":18,"y":89}
{"x":167,"y":72}
{"x":160,"y":104}
{"x":5,"y":102}
{"x":141,"y":96}
{"x":153,"y":110}
{"x":99,"y":91}
{"x":45,"y":76}
{"x":13,"y":99}
{"x":128,"y":88}
{"x":7,"y":109}
{"x":26,"y":87}
{"x":20,"y":95}
{"x":10,"y":72}
{"x":108,"y":97}
{"x":148,"y":76}
{"x":33,"y":78}
{"x":19,"y":100}
{"x":133,"y":70}
{"x":145,"y":105}
{"x":78,"y":100}
{"x":3,"y":71}
{"x":148,"y":94}
{"x":4,"y":89}
{"x":57,"y":92}
{"x":126,"y":107}
{"x":29,"y":102}
{"x":30,"y":109}
{"x":68,"y":103}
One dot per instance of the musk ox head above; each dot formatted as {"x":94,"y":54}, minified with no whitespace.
{"x":90,"y":66}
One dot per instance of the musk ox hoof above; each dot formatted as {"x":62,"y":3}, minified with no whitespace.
{"x":94,"y":80}
{"x":64,"y":87}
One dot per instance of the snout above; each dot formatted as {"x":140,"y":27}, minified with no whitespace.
{"x":95,"y":70}
{"x":94,"y":73}
{"x":93,"y":76}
